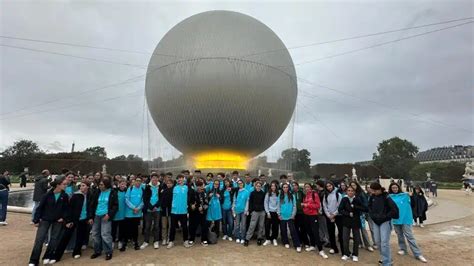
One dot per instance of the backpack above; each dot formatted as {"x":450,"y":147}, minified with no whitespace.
{"x":211,"y":236}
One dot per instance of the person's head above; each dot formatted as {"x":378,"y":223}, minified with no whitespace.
{"x":216,"y":184}
{"x":329,"y":186}
{"x":342,"y":186}
{"x":200,"y":186}
{"x":308,"y":188}
{"x":154,"y":180}
{"x":105,"y":183}
{"x":283,"y":178}
{"x":240,"y":184}
{"x":117,"y":177}
{"x":45,"y":173}
{"x":180,"y":179}
{"x":296,"y":186}
{"x":69,"y":177}
{"x":227,"y":183}
{"x":350,"y":192}
{"x":248,"y":179}
{"x":273,"y":187}
{"x":235,"y":175}
{"x":220,"y":176}
{"x":122,"y":184}
{"x":90,"y":178}
{"x":263,"y":178}
{"x":97,"y":176}
{"x":316,"y":178}
{"x":137,"y":182}
{"x":258,"y":186}
{"x":169,"y":183}
{"x":357,"y":188}
{"x":376,"y":188}
{"x":418,"y":190}
{"x":209,"y":177}
{"x":197,"y":173}
{"x":84,"y":187}
{"x":285,"y":188}
{"x":290,"y":177}
{"x":394,"y":188}
{"x":320,"y":185}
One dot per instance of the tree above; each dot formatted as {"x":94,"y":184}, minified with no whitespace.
{"x":395,"y":157}
{"x":133,"y":157}
{"x":296,"y":160}
{"x":96,"y":152}
{"x":443,"y":172}
{"x":119,"y":158}
{"x":21,"y":153}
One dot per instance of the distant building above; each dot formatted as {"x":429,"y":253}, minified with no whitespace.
{"x":457,"y":153}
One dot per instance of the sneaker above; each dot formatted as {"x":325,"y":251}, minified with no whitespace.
{"x":371,"y":249}
{"x":46,"y":261}
{"x":52,"y":261}
{"x":230,"y":239}
{"x":323,"y":254}
{"x":267,"y":242}
{"x":375,"y":247}
{"x":310,"y":249}
{"x":108,"y":257}
{"x":401,"y":252}
{"x":355,"y":258}
{"x":204,"y":243}
{"x":421,"y":225}
{"x":298,"y":249}
{"x":422,"y":259}
{"x":170,"y":245}
{"x":164,"y":242}
{"x":136,"y":246}
{"x":246,"y":243}
{"x":259,"y":242}
{"x":287,"y":246}
{"x":77,"y":256}
{"x":344,"y":258}
{"x":31,"y":264}
{"x":119,"y":245}
{"x":84,"y":247}
{"x":242,"y":241}
{"x":332,"y":251}
{"x":4,"y":223}
{"x":224,"y":237}
{"x":237,"y":241}
{"x":275,"y":243}
{"x":144,"y":245}
{"x":188,"y":244}
{"x":95,"y":255}
{"x":156,"y":244}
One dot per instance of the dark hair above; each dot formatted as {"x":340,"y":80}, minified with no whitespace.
{"x":235,"y":173}
{"x":179,"y":176}
{"x":227,"y":180}
{"x":64,"y":171}
{"x":199,"y":183}
{"x":107,"y":182}
{"x":358,"y":189}
{"x":394,"y":184}
{"x":276,"y":187}
{"x":316,"y":177}
{"x":87,"y":183}
{"x":283,"y":177}
{"x":197,"y":171}
{"x":320,"y":183}
{"x":169,"y":173}
{"x":375,"y":186}
{"x":57,"y":181}
{"x":421,"y":190}
{"x":210,"y":174}
{"x":282,"y":194}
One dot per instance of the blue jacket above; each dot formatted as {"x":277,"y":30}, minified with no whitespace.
{"x":120,"y":215}
{"x":249,"y":187}
{"x":214,"y":212}
{"x":403,"y":202}
{"x":287,"y":208}
{"x":179,"y":204}
{"x":134,"y":199}
{"x":241,"y":201}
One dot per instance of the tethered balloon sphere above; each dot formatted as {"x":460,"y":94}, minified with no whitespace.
{"x":221,"y":88}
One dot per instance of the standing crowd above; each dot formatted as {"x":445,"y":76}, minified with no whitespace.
{"x":116,"y":210}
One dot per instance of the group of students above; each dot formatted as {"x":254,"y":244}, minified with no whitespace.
{"x":113,"y":207}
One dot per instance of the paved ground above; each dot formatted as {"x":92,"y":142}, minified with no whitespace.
{"x":443,"y":243}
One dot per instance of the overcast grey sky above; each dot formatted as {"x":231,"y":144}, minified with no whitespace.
{"x":420,"y":89}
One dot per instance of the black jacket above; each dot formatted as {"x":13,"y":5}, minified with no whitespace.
{"x":113,"y":203}
{"x":4,"y":183}
{"x":419,"y":206}
{"x":41,"y":187}
{"x":382,"y":208}
{"x":356,"y":207}
{"x":75,"y":207}
{"x":51,"y":209}
{"x":166,"y":197}
{"x":257,"y":201}
{"x":147,"y":196}
{"x":200,"y":199}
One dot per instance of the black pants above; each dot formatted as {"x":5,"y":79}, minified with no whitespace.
{"x":83,"y":230}
{"x":132,"y":229}
{"x":312,"y":227}
{"x":332,"y":232}
{"x":41,"y":235}
{"x":197,"y":219}
{"x":274,"y":223}
{"x":119,"y":230}
{"x":301,"y":228}
{"x":183,"y":220}
{"x":152,"y":226}
{"x":346,"y":232}
{"x":216,"y":228}
{"x":66,"y":236}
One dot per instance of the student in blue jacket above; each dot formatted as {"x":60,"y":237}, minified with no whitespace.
{"x":133,"y":212}
{"x":151,"y":201}
{"x":240,"y":209}
{"x":286,"y":214}
{"x":179,"y":211}
{"x":403,"y":225}
{"x":214,"y":213}
{"x":227,"y":199}
{"x":119,"y":223}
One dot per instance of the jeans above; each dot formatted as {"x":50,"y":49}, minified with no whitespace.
{"x":3,"y":205}
{"x":346,"y":233}
{"x":152,"y":218}
{"x":312,"y":227}
{"x":35,"y":206}
{"x":227,"y":222}
{"x":63,"y":243}
{"x":240,"y":225}
{"x":404,"y":231}
{"x":382,"y":240}
{"x":102,"y":234}
{"x":41,"y":235}
{"x":197,"y":219}
{"x":284,"y":234}
{"x":257,"y":218}
{"x":364,"y":238}
{"x":273,"y":222}
{"x":183,"y":219}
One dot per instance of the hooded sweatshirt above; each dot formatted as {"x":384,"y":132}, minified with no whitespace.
{"x":272,"y":202}
{"x":331,"y":203}
{"x":403,"y":202}
{"x":312,"y":203}
{"x":287,"y":208}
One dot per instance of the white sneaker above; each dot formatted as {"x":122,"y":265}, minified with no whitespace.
{"x":287,"y":246}
{"x":46,"y":261}
{"x":422,"y":259}
{"x":230,"y":239}
{"x":267,"y":242}
{"x":237,"y":241}
{"x":401,"y":252}
{"x":323,"y":254}
{"x":144,"y":245}
{"x":306,"y":246}
{"x":188,"y":244}
{"x":298,"y":249}
{"x":421,"y":225}
{"x":344,"y":258}
{"x":31,"y":264}
{"x":156,"y":245}
{"x":67,"y":251}
{"x":311,"y":248}
{"x":119,"y":245}
{"x":204,"y":243}
{"x":52,"y":261}
{"x":371,"y":249}
{"x":275,"y":243}
{"x":164,"y":242}
{"x":77,"y":256}
{"x":224,"y":237}
{"x":170,"y":245}
{"x":355,"y":258}
{"x":331,"y":251}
